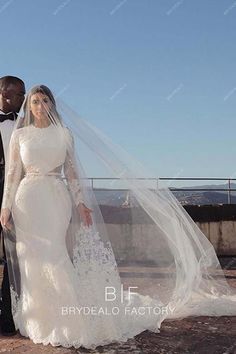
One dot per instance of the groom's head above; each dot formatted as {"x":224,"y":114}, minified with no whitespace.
{"x":12,"y":93}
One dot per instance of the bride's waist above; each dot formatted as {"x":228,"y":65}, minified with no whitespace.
{"x":43,"y":174}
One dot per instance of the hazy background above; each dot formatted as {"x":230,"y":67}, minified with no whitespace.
{"x":157,"y":76}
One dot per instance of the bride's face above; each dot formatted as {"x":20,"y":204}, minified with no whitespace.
{"x":40,"y":105}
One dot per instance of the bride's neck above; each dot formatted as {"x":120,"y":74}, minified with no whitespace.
{"x":42,"y":123}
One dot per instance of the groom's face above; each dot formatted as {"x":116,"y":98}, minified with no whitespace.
{"x":11,"y":97}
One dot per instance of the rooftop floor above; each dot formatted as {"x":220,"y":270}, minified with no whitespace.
{"x":211,"y":335}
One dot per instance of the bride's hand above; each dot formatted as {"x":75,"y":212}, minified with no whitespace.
{"x":5,"y":217}
{"x":85,"y":214}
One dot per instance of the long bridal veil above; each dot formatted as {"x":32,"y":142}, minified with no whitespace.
{"x":158,"y":247}
{"x":142,"y":259}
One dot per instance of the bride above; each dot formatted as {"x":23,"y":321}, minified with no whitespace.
{"x":76,"y":280}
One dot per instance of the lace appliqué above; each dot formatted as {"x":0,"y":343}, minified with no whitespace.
{"x":71,"y":173}
{"x":91,"y":255}
{"x":76,"y":191}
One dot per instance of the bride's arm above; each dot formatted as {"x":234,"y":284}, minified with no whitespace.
{"x":72,"y":178}
{"x":12,"y":177}
{"x":70,"y":171}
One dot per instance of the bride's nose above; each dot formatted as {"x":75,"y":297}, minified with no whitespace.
{"x":40,"y":106}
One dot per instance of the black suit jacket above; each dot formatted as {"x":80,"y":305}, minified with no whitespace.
{"x":2,"y":165}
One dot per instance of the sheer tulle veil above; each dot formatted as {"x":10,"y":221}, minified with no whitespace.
{"x":143,"y":252}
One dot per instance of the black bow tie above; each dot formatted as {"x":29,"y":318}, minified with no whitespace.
{"x":10,"y":116}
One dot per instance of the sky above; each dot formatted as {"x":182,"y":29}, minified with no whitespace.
{"x":157,"y":76}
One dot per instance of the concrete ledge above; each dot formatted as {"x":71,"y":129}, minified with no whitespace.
{"x":217,"y":222}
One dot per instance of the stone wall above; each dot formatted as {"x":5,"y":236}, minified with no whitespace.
{"x":218,"y":223}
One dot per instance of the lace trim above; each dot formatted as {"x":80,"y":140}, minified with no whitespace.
{"x":91,"y":254}
{"x":76,"y":191}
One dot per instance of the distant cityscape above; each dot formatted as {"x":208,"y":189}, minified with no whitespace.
{"x":121,"y":198}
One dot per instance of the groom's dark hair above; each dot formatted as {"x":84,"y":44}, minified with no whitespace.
{"x":11,"y":80}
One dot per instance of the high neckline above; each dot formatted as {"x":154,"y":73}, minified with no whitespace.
{"x":42,"y":127}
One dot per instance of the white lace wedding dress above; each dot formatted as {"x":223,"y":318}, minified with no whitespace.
{"x":41,"y":210}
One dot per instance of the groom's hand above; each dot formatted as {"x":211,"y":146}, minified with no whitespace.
{"x":5,"y":217}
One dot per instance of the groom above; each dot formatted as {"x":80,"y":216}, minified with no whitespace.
{"x":12,"y":91}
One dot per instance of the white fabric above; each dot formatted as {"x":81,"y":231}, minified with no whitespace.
{"x":62,"y":263}
{"x":41,"y":213}
{"x":35,"y":151}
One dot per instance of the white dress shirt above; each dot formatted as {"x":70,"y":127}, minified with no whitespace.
{"x":6,"y":129}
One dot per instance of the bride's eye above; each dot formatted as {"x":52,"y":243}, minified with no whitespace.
{"x":45,"y":100}
{"x":34,"y":101}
